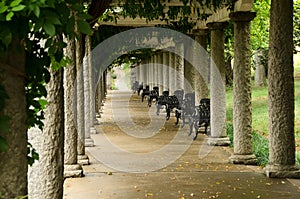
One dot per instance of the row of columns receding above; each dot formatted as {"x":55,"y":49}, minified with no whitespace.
{"x":170,"y":72}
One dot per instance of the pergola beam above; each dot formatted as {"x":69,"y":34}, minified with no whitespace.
{"x":220,"y":15}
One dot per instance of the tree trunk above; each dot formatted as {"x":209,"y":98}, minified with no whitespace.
{"x":281,"y":92}
{"x":52,"y":153}
{"x":13,"y":167}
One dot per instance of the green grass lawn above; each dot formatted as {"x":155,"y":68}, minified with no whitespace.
{"x":260,"y":106}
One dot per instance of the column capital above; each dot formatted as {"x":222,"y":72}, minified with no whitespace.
{"x":242,"y":16}
{"x":216,"y":25}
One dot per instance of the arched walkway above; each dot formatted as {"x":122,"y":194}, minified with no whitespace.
{"x":202,"y":171}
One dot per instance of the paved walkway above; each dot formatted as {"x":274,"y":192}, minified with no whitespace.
{"x":138,"y":154}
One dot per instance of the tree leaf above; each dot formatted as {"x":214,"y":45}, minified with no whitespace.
{"x":49,"y":28}
{"x":3,"y":9}
{"x":15,"y":3}
{"x":84,"y":27}
{"x":9,"y":16}
{"x":18,"y":8}
{"x":36,"y":11}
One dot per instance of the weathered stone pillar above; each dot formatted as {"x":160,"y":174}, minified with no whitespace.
{"x":87,"y":96}
{"x":92,"y":81}
{"x":281,"y":93}
{"x":202,"y":74}
{"x":71,"y":167}
{"x":155,"y":70}
{"x":52,"y":149}
{"x":14,"y":165}
{"x":137,"y":72}
{"x":146,"y":73}
{"x":242,"y":117}
{"x":172,"y":73}
{"x":142,"y":71}
{"x":165,"y":71}
{"x":217,"y":86}
{"x":82,"y":158}
{"x":151,"y":72}
{"x":189,"y":69}
{"x":160,"y":71}
{"x":179,"y":65}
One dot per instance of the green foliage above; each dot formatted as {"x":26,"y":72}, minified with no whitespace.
{"x":260,"y":25}
{"x":229,"y":131}
{"x":296,"y":26}
{"x":32,"y":155}
{"x":297,"y":159}
{"x":260,"y":148}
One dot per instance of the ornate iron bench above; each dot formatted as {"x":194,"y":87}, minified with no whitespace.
{"x":146,"y":92}
{"x":200,"y":117}
{"x":161,"y":101}
{"x":174,"y":102}
{"x":153,"y":95}
{"x":187,"y":109}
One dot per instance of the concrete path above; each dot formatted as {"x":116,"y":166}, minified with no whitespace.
{"x":138,"y":154}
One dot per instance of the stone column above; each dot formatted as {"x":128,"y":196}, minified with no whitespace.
{"x":143,"y":72}
{"x":165,"y":71}
{"x":82,"y":158}
{"x":160,"y":71}
{"x":151,"y":72}
{"x":146,"y":72}
{"x":155,"y":70}
{"x":189,"y":69}
{"x":87,"y":96}
{"x":137,"y":72}
{"x":52,"y":150}
{"x":179,"y":65}
{"x":217,"y":86}
{"x":281,"y":96}
{"x":242,"y":117}
{"x":172,"y":79}
{"x":201,"y":74}
{"x":71,"y":167}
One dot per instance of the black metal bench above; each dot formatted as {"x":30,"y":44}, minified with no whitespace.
{"x":135,"y":87}
{"x":140,"y":88}
{"x":200,"y":117}
{"x":174,"y":102}
{"x":187,"y":109}
{"x":146,"y":92}
{"x":161,"y":101}
{"x":153,"y":95}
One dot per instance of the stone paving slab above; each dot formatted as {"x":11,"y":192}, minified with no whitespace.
{"x":201,"y":171}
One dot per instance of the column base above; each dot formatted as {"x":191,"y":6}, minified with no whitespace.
{"x":83,"y":160}
{"x":224,"y":141}
{"x":73,"y":171}
{"x":88,"y":142}
{"x":282,"y":171}
{"x":93,"y":130}
{"x":249,"y":159}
